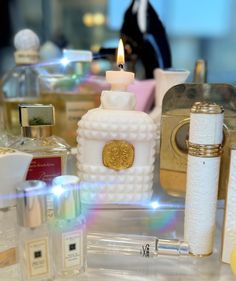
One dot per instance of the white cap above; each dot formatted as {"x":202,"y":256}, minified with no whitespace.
{"x":27,"y":45}
{"x":13,"y":169}
{"x":26,"y":39}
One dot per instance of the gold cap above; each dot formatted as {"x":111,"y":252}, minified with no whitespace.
{"x":36,"y":120}
{"x":67,"y":203}
{"x":208,"y":108}
{"x":31,"y":203}
{"x":36,"y":115}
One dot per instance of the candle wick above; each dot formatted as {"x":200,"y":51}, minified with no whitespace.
{"x":121,"y":66}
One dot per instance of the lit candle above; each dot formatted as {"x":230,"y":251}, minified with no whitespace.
{"x":120,"y":80}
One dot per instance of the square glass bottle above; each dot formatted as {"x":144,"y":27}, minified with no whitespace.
{"x":69,"y":229}
{"x":34,"y":240}
{"x":49,"y":152}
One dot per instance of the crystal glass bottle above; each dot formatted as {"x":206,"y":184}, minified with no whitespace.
{"x":34,"y":240}
{"x":49,"y":152}
{"x":20,"y":84}
{"x":69,"y":231}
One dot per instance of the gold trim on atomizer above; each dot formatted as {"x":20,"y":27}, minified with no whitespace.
{"x":204,"y":150}
{"x":207,"y":108}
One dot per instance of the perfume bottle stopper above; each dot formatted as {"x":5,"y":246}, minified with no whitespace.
{"x":36,"y":120}
{"x":27,"y":45}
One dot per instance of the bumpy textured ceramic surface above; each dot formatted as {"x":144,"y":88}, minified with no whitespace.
{"x":229,"y":234}
{"x":102,"y":184}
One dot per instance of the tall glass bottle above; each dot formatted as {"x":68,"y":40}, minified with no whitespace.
{"x":20,"y":84}
{"x":34,"y":240}
{"x":69,"y":233}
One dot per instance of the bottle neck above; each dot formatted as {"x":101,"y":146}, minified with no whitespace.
{"x":37,"y":131}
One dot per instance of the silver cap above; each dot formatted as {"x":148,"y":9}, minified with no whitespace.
{"x":31,"y":203}
{"x":36,"y":120}
{"x":67,"y":205}
{"x":172,"y":247}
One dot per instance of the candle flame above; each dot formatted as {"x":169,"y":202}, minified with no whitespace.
{"x":120,"y":54}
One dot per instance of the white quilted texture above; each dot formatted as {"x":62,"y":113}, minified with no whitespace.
{"x":101,"y":185}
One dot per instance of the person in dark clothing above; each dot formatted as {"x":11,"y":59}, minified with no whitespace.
{"x":144,"y":32}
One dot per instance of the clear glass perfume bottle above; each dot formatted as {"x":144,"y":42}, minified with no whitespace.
{"x":69,"y":231}
{"x":49,"y":152}
{"x":34,"y":240}
{"x":10,"y":160}
{"x":20,"y":84}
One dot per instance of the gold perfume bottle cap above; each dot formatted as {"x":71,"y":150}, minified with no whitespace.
{"x":207,"y":108}
{"x":36,"y":115}
{"x":31,"y":203}
{"x":67,"y":197}
{"x":36,"y":119}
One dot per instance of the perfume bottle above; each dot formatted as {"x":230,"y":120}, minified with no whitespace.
{"x":203,"y":169}
{"x":69,"y":232}
{"x":20,"y":85}
{"x":49,"y":152}
{"x":119,"y":244}
{"x":34,"y":239}
{"x":10,"y":160}
{"x":116,"y":146}
{"x":67,"y":87}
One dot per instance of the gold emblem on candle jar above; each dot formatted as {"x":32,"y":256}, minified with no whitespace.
{"x":118,"y":155}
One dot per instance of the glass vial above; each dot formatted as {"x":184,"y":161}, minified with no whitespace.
{"x":69,"y":233}
{"x":34,"y":240}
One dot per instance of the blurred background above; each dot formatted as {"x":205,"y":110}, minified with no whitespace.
{"x":196,"y":29}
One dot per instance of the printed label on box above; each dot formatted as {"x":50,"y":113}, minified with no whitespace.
{"x":38,"y":257}
{"x":45,"y":168}
{"x":72,"y":248}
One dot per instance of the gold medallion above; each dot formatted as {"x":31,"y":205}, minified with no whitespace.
{"x":118,"y":155}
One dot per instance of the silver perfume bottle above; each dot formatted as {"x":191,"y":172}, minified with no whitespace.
{"x":34,"y":239}
{"x":69,"y":233}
